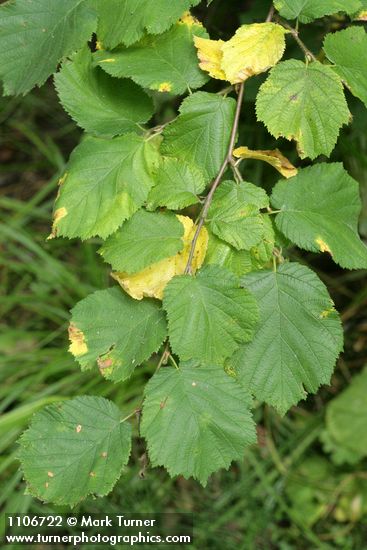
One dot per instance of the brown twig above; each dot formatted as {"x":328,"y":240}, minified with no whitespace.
{"x":270,"y":14}
{"x":216,"y":182}
{"x":302,"y":45}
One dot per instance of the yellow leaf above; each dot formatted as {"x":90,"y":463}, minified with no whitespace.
{"x":253,"y":50}
{"x":210,"y":56}
{"x":151,"y":281}
{"x":275,"y":158}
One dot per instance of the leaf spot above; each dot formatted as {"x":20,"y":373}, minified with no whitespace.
{"x":78,"y":345}
{"x":322,"y":245}
{"x":189,"y":20}
{"x":104,"y":363}
{"x":165,"y":87}
{"x":163,"y":403}
{"x":58,"y":215}
{"x":50,"y":474}
{"x":78,"y":428}
{"x":62,"y":179}
{"x":324,"y":314}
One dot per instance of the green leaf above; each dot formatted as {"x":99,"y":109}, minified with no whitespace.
{"x":304,"y":102}
{"x":346,"y":420}
{"x":308,"y":10}
{"x":106,"y":182}
{"x":309,"y":487}
{"x":298,"y":339}
{"x":146,"y":238}
{"x":196,"y":420}
{"x":234,"y":214}
{"x":347,"y":49}
{"x":262,"y":253}
{"x":177,"y":185}
{"x":319,"y":212}
{"x":124,"y":21}
{"x":209,"y":315}
{"x":313,"y":481}
{"x":240,"y":262}
{"x":223,"y":254}
{"x":361,"y":14}
{"x":98,"y":103}
{"x":116,"y":331}
{"x":74,"y":449}
{"x":167,"y":63}
{"x":201,"y":133}
{"x":35,"y":35}
{"x":339,"y":454}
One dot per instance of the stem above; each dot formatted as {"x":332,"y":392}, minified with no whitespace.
{"x":226,"y":90}
{"x":216,"y":182}
{"x":270,"y":14}
{"x":170,"y":357}
{"x":136,"y":411}
{"x":302,"y":45}
{"x":274,"y":264}
{"x":164,"y":357}
{"x":235,"y":170}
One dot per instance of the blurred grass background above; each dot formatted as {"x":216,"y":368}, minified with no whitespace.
{"x":287,"y":493}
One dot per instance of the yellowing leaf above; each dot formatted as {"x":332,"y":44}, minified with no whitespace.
{"x":189,"y":20}
{"x":77,"y":341}
{"x":274,"y":158}
{"x":58,"y":215}
{"x":362,"y":16}
{"x":210,"y":55}
{"x":322,"y":245}
{"x":253,"y":50}
{"x":151,"y":281}
{"x":326,"y":313}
